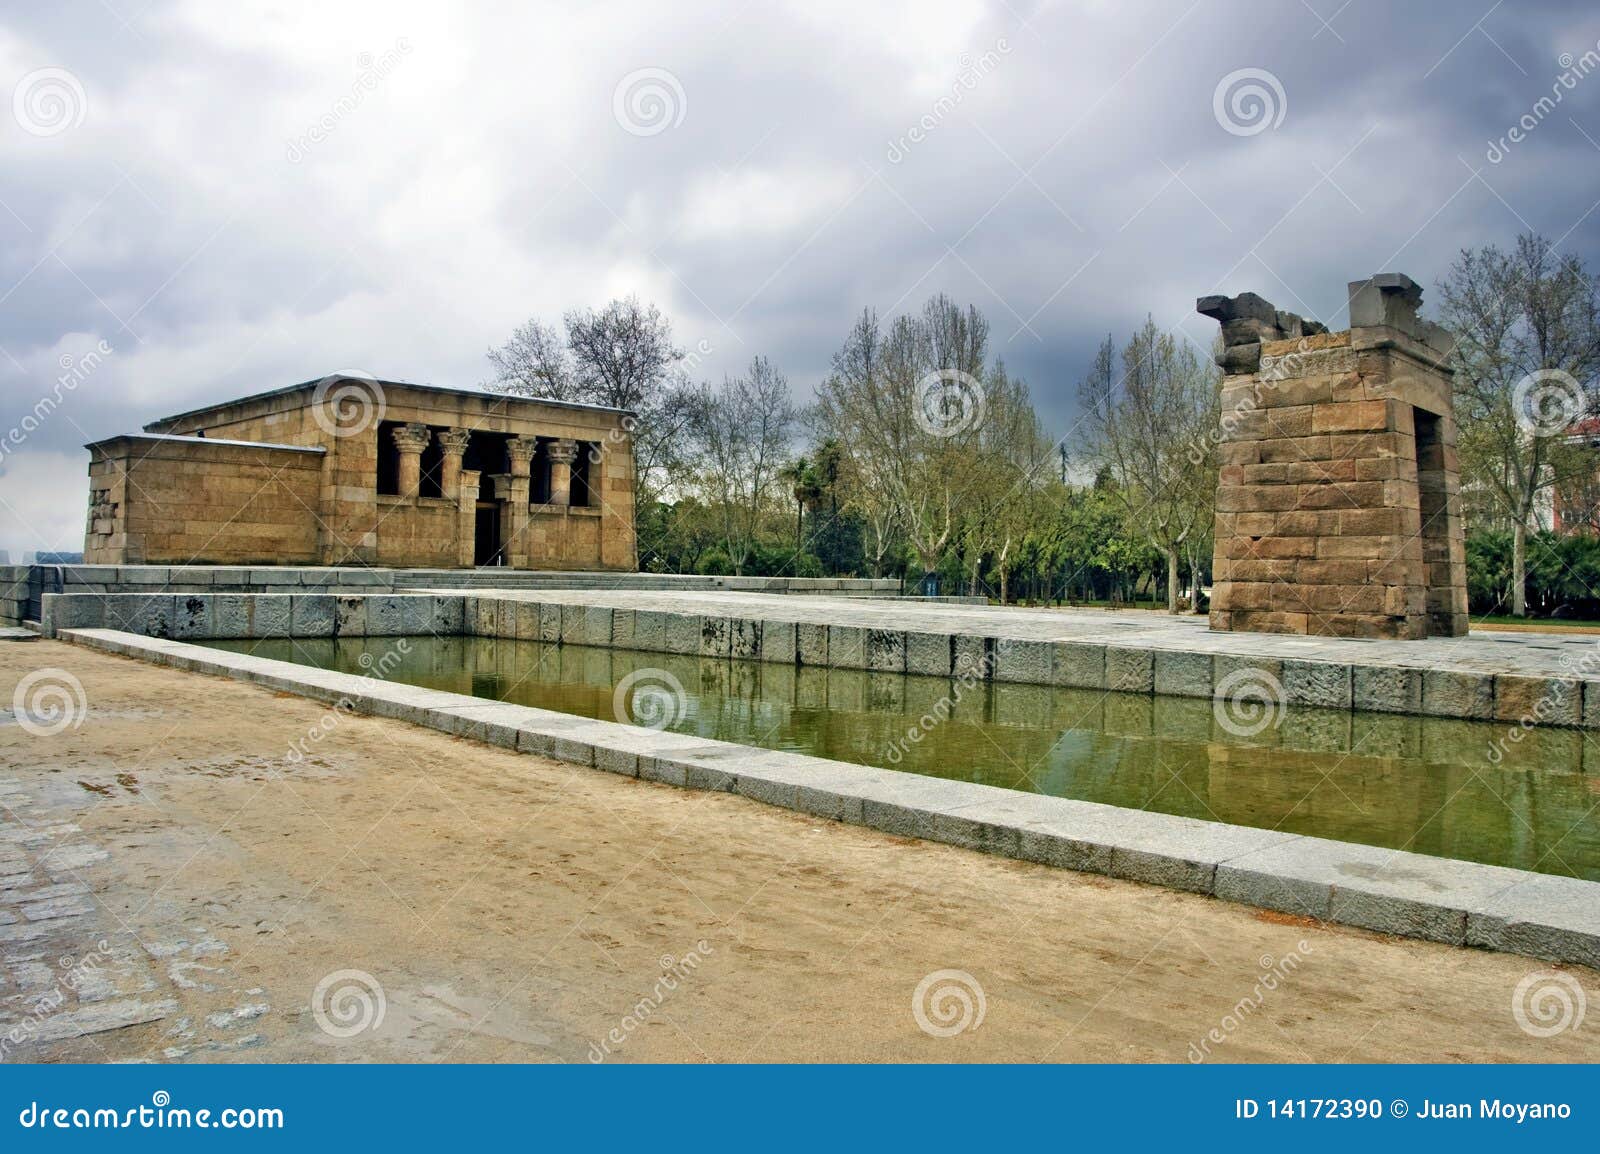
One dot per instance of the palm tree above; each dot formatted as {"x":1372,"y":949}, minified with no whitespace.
{"x":807,"y":490}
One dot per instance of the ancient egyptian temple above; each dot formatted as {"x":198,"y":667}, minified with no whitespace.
{"x":350,"y":470}
{"x":1338,"y":506}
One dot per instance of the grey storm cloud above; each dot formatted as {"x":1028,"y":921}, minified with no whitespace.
{"x":236,"y":197}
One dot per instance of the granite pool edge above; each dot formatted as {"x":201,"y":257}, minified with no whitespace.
{"x":1390,"y":891}
{"x":1454,"y":693}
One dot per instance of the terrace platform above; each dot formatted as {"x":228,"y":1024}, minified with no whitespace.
{"x":1525,"y":680}
{"x":22,"y":586}
{"x":1547,"y":678}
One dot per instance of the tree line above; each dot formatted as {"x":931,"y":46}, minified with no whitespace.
{"x":920,"y":456}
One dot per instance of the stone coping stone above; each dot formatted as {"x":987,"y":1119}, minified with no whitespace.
{"x":1541,"y":915}
{"x":1392,"y":891}
{"x":179,"y":578}
{"x":1174,"y":658}
{"x":1543,"y":680}
{"x":262,"y":615}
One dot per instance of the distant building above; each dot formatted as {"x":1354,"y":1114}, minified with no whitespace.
{"x":354,"y":471}
{"x":1575,"y":503}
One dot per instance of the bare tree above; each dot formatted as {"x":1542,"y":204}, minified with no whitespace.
{"x":742,"y":434}
{"x":1143,"y":427}
{"x":535,"y":363}
{"x":621,"y":356}
{"x":851,"y":411}
{"x":1007,"y":468}
{"x":1527,"y":350}
{"x":907,"y":404}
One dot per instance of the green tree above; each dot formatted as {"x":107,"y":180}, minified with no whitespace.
{"x":1527,"y":330}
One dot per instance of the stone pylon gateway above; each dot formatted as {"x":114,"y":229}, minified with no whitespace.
{"x":1338,"y":502}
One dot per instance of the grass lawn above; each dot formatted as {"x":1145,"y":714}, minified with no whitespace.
{"x":1162,"y":605}
{"x":1535,"y":624}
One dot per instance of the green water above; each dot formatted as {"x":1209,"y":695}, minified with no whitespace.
{"x":1421,"y":784}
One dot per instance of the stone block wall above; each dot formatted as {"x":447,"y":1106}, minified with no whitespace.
{"x":354,"y":423}
{"x":14,"y":593}
{"x":1338,"y":507}
{"x":567,"y":538}
{"x":162,"y":500}
{"x":418,"y":532}
{"x":1126,"y":678}
{"x":204,"y":616}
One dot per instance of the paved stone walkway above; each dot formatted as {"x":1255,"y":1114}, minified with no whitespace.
{"x":72,"y":967}
{"x":1528,"y":654}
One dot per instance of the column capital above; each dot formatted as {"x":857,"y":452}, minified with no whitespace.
{"x":453,"y":441}
{"x":562,"y":452}
{"x":411,"y":438}
{"x":520,"y":450}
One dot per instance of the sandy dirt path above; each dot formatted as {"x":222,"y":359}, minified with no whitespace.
{"x":174,"y":886}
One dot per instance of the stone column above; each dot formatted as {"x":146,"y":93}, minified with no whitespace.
{"x":561,"y":454}
{"x":514,"y":491}
{"x":511,"y":491}
{"x":520,"y":451}
{"x":410,"y":440}
{"x":453,"y":443}
{"x":466,"y":516}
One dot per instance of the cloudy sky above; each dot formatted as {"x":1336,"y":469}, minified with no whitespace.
{"x":238,"y":196}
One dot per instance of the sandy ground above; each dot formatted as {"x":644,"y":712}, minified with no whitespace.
{"x":513,"y":909}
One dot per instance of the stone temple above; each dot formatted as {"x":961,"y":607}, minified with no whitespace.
{"x":1338,"y":503}
{"x":350,"y":470}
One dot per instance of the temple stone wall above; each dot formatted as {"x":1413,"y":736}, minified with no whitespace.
{"x":1338,"y":503}
{"x":154,"y":499}
{"x":482,"y":487}
{"x":420,"y":532}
